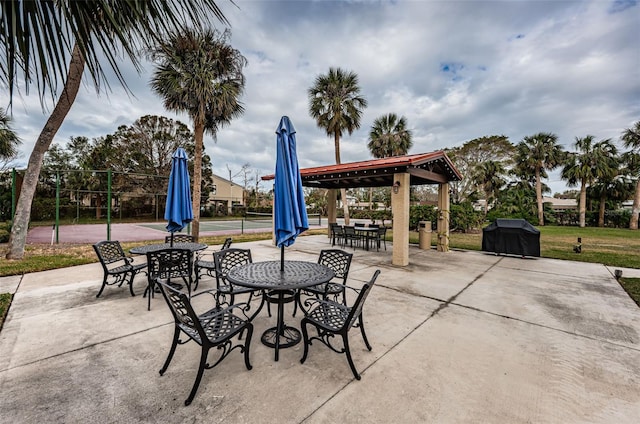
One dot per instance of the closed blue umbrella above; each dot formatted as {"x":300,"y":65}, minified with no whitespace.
{"x":290,"y":212}
{"x":178,"y":211}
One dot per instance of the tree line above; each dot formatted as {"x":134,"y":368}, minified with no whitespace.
{"x":509,"y":177}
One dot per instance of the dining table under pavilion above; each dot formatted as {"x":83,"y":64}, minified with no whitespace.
{"x":399,"y":173}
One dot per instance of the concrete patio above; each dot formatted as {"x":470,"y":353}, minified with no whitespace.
{"x":458,"y":337}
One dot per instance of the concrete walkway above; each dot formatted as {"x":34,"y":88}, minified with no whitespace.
{"x":461,"y":337}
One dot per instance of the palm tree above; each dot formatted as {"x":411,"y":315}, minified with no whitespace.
{"x":534,"y":155}
{"x":617,"y":189}
{"x":631,"y":139}
{"x":336,"y":105}
{"x":489,"y":176}
{"x":9,"y":140}
{"x":200,"y":74}
{"x":389,"y":136}
{"x":39,"y":36}
{"x":591,"y":162}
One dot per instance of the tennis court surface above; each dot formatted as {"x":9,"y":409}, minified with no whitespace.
{"x":92,"y":233}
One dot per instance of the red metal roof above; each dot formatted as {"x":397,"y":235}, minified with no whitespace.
{"x":426,"y":168}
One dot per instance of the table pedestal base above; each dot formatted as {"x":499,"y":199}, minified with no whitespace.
{"x":289,"y":336}
{"x":280,"y":336}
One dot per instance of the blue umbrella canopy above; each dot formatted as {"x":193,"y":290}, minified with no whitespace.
{"x":178,"y":211}
{"x":290,"y":212}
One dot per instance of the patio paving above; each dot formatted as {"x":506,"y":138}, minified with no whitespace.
{"x":458,"y":337}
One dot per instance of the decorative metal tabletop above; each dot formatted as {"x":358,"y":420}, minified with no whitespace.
{"x":267,"y":275}
{"x":142,"y":250}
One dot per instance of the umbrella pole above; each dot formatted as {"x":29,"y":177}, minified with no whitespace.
{"x":171,"y":245}
{"x":281,"y":258}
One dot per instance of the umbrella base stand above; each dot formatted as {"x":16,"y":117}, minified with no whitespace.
{"x":289,"y":336}
{"x":282,"y":335}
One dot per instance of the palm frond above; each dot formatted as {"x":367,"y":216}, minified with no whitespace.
{"x":38,"y":36}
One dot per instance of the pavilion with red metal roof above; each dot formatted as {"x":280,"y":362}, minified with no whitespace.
{"x":399,"y":173}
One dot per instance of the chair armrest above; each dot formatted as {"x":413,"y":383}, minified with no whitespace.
{"x":213,"y":313}
{"x":212,"y":292}
{"x":312,"y":303}
{"x":355,"y":290}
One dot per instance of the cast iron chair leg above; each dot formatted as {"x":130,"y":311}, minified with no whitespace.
{"x":133,"y":274}
{"x":247,"y":344}
{"x":196,"y":384}
{"x":195,"y":287}
{"x":151,"y":287}
{"x":345,"y":339}
{"x":104,"y":283}
{"x":364,"y":336}
{"x":176,"y":336}
{"x":305,"y":339}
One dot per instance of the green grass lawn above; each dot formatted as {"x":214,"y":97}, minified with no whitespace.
{"x":608,"y":246}
{"x":5,"y":301}
{"x":632,"y":287}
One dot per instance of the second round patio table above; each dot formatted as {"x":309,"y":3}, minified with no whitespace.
{"x":280,"y":283}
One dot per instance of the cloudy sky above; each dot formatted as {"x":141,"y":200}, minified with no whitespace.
{"x":457,"y":70}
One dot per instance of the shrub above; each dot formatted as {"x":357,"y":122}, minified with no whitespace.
{"x":422,"y":213}
{"x":4,"y":232}
{"x":463,"y":217}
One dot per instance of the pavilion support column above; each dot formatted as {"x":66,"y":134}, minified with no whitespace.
{"x":332,"y":215}
{"x":444,"y":211}
{"x":400,"y":210}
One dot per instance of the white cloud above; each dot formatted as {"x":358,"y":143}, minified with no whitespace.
{"x":456,"y":70}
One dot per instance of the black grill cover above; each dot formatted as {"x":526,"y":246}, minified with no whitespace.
{"x":511,"y":236}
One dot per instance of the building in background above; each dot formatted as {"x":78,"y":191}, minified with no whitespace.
{"x":226,"y":195}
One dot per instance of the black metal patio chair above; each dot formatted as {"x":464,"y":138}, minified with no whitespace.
{"x":340,"y":262}
{"x":214,"y":328}
{"x":226,"y":260}
{"x":331,"y":318}
{"x":180,"y":238}
{"x":381,"y":237}
{"x":351,"y":236}
{"x":204,"y":267}
{"x":116,"y":265}
{"x":169,"y":265}
{"x":337,"y":235}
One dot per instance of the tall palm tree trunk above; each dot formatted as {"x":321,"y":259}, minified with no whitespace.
{"x":486,"y":203}
{"x":18,"y":237}
{"x":539,"y":198}
{"x":343,"y":191}
{"x":601,"y":209}
{"x":635,"y":210}
{"x":197,"y":177}
{"x":583,"y":203}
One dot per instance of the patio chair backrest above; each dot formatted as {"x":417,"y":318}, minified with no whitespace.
{"x":338,"y":260}
{"x":228,"y":259}
{"x":180,"y":238}
{"x":349,"y":231}
{"x":358,"y":224}
{"x":181,"y":310}
{"x":356,"y":309}
{"x":170,"y":263}
{"x":109,"y":252}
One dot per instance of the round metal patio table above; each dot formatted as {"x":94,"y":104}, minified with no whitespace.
{"x":279,"y":285}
